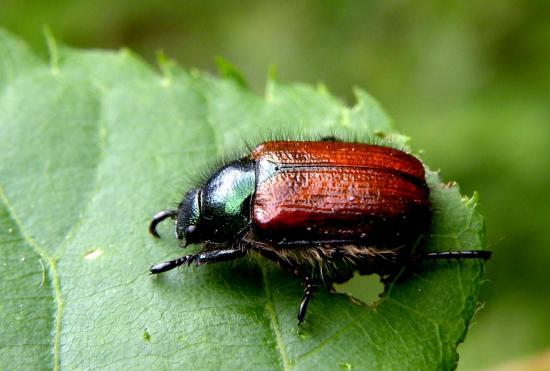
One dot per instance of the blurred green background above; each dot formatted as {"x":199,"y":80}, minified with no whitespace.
{"x":468,"y":81}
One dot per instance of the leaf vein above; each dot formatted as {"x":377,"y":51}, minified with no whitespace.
{"x":102,"y":140}
{"x":54,"y":275}
{"x":275,"y":327}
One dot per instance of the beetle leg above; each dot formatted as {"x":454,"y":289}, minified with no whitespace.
{"x":216,"y":256}
{"x":168,"y":265}
{"x":159,"y":217}
{"x":468,"y":254}
{"x":309,"y":243}
{"x":289,"y":266}
{"x":308,"y":294}
{"x":206,"y":257}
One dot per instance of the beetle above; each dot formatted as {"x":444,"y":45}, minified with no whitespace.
{"x":320,"y":209}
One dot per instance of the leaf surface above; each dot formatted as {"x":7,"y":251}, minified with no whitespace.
{"x":93,"y":143}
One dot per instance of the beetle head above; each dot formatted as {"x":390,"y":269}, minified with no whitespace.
{"x":189,"y":215}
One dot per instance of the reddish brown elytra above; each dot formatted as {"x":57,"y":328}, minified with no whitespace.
{"x":339,"y":191}
{"x":320,"y":209}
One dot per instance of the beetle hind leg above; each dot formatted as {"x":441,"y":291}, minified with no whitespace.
{"x":467,"y":254}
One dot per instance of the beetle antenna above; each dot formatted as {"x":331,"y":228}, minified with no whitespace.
{"x":468,"y":254}
{"x":159,"y":217}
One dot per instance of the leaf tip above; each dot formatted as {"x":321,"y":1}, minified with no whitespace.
{"x":272,"y":79}
{"x":53,"y":50}
{"x":230,"y":72}
{"x":471,"y":202}
{"x":322,"y":89}
{"x":165,"y":65}
{"x":371,"y":110}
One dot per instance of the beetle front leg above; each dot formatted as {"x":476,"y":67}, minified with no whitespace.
{"x":213,"y":256}
{"x":216,"y":256}
{"x":159,"y":217}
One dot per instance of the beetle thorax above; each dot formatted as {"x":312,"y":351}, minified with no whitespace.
{"x":225,"y":201}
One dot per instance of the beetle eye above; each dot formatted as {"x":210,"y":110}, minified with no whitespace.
{"x":191,"y":235}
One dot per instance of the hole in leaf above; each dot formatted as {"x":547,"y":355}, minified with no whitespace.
{"x":365,"y":288}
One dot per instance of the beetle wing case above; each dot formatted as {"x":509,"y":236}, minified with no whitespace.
{"x":363,"y":193}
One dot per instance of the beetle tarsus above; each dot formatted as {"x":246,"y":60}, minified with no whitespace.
{"x":291,"y":268}
{"x":169,"y":265}
{"x":159,"y":217}
{"x":468,"y":254}
{"x":308,"y":294}
{"x":214,"y":256}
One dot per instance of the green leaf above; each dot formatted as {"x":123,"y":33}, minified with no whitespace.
{"x":92,"y":145}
